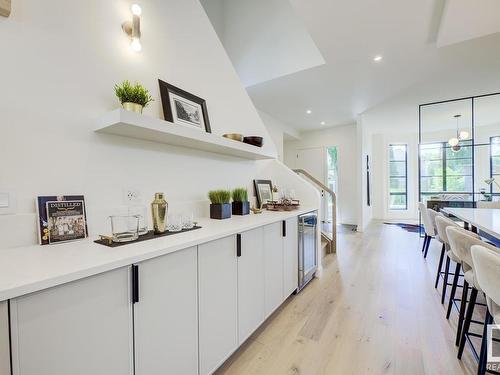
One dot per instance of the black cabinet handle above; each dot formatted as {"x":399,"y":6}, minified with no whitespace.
{"x":238,"y":245}
{"x":284,"y":228}
{"x":135,"y":283}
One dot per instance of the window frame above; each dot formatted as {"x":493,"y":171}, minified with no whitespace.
{"x":391,"y":194}
{"x":444,"y":159}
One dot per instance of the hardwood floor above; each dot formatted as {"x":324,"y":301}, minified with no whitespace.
{"x":373,"y":310}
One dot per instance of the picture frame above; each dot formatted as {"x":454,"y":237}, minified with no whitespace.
{"x":184,"y":108}
{"x":263,"y":192}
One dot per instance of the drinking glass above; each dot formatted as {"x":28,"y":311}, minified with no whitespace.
{"x":188,"y":221}
{"x":124,"y":228}
{"x":141,"y":212}
{"x":174,"y":223}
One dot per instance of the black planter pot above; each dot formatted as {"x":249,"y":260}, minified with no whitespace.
{"x":241,"y":208}
{"x":220,"y":211}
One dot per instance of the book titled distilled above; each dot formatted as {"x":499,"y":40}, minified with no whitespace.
{"x":61,"y":218}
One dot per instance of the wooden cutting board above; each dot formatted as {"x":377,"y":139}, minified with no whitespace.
{"x":5,"y":8}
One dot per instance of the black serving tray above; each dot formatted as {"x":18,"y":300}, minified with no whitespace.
{"x":145,"y":237}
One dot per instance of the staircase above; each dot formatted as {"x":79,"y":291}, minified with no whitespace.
{"x":328,"y":237}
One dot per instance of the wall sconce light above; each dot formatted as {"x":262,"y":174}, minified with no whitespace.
{"x":133,"y":28}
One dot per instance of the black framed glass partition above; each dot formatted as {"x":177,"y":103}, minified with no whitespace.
{"x":459,"y":150}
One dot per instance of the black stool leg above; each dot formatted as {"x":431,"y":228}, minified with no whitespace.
{"x":445,"y":281}
{"x":441,"y":258}
{"x":453,"y":289}
{"x":468,"y":318}
{"x":461,"y":314}
{"x":425,"y":242}
{"x":483,"y":357}
{"x":429,"y":238}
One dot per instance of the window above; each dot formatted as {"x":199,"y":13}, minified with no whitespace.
{"x":398,"y":181}
{"x":444,"y":170}
{"x":494,"y":159}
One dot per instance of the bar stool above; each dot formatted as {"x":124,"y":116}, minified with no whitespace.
{"x":429,"y":228}
{"x":432,"y":215}
{"x":463,"y":242}
{"x":441,"y":224}
{"x":487,"y":264}
{"x":460,"y":246}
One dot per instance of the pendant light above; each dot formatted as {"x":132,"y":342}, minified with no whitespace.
{"x":460,"y":136}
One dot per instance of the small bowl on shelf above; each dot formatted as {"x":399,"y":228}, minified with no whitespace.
{"x":234,"y":136}
{"x":254,"y":141}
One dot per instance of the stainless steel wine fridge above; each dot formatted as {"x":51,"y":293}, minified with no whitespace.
{"x":308,"y":242}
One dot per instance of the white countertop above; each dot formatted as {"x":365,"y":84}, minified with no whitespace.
{"x":29,"y":269}
{"x":485,"y":219}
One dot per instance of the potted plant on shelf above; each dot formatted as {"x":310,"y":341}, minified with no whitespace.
{"x":241,"y":205}
{"x":220,"y":208}
{"x":133,"y":97}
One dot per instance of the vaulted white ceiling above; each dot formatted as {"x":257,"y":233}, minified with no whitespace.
{"x":349,"y":34}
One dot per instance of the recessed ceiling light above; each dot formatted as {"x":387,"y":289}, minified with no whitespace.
{"x":309,"y":111}
{"x":323,"y":123}
{"x":377,"y":58}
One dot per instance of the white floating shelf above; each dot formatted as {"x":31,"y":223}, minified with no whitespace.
{"x":134,"y":125}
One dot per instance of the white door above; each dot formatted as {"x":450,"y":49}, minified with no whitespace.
{"x":313,"y":160}
{"x":80,"y":328}
{"x":251,"y":289}
{"x":166,"y":315}
{"x":273,"y":253}
{"x":218,"y":303}
{"x":4,"y":340}
{"x":290,"y":257}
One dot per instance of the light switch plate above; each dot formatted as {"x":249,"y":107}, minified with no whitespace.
{"x":8,"y":202}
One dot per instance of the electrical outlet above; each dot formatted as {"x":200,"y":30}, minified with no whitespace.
{"x":131,"y":195}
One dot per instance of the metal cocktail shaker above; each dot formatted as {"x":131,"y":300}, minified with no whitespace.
{"x":159,"y":209}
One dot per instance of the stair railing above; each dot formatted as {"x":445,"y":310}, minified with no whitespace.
{"x":332,"y":242}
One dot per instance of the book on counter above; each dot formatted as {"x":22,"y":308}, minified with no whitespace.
{"x":61,"y":218}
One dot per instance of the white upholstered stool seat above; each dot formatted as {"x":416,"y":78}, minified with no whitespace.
{"x":471,"y":279}
{"x":452,"y":256}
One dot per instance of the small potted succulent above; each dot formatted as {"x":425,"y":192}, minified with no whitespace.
{"x":241,"y":205}
{"x":133,"y":97}
{"x":220,"y":208}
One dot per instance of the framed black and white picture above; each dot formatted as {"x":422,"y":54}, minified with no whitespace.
{"x":184,"y":108}
{"x":263,"y":191}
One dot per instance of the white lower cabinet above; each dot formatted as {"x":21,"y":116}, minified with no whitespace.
{"x":251,"y":283}
{"x":79,"y":328}
{"x":166,"y":315}
{"x":182,"y":313}
{"x":4,"y":339}
{"x":273,"y":255}
{"x":290,"y":256}
{"x":218,"y":303}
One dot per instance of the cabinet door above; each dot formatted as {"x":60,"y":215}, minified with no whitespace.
{"x":290,"y":256}
{"x":218,"y":304}
{"x":166,"y":315}
{"x":273,"y":254}
{"x":4,"y":339}
{"x":251,"y":275}
{"x":80,"y":328}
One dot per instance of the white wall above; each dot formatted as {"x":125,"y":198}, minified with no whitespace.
{"x":396,"y":120}
{"x":215,"y":12}
{"x":265,"y":39}
{"x":60,"y":60}
{"x":278,"y":131}
{"x":344,"y":138}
